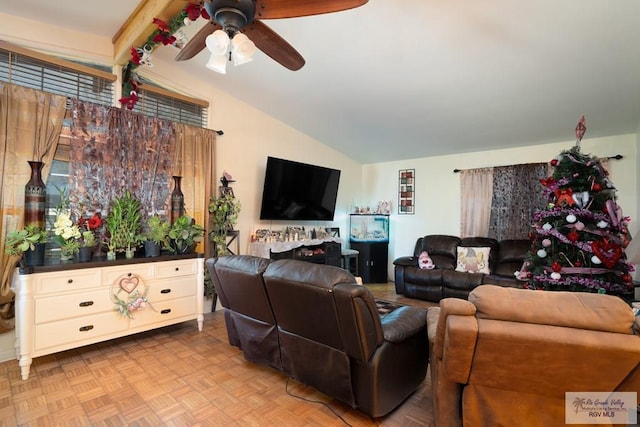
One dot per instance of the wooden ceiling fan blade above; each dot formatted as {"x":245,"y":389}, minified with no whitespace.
{"x":273,"y":45}
{"x":197,"y":42}
{"x":276,"y":9}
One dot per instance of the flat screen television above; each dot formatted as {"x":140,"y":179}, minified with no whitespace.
{"x":295,"y":191}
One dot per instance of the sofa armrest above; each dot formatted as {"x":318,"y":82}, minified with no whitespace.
{"x":406,"y":261}
{"x":459,"y":345}
{"x":450,"y":306}
{"x":403,"y":323}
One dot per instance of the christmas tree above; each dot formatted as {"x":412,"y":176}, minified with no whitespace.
{"x":579,"y":237}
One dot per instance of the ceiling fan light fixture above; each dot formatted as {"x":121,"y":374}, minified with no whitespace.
{"x":217,"y":42}
{"x":218,"y":63}
{"x":243,"y":49}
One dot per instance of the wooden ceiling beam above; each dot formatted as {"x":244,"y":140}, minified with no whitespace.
{"x":139,"y":26}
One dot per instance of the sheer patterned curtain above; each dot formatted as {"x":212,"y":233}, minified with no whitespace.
{"x":194,"y":161}
{"x":517,"y":194}
{"x":113,"y":150}
{"x":476,"y":191}
{"x":30,"y":124}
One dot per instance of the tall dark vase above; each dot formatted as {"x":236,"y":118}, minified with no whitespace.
{"x":35,"y":197}
{"x":177,"y":200}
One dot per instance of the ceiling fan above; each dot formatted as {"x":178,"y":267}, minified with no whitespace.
{"x":236,"y":17}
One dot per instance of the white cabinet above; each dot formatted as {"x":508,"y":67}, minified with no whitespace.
{"x":58,"y":309}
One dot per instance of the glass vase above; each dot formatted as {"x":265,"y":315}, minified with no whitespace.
{"x":35,"y":197}
{"x":177,"y":200}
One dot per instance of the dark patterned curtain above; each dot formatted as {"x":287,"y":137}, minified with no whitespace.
{"x":517,"y":194}
{"x":114,"y":150}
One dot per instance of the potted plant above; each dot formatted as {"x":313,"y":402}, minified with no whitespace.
{"x":123,"y":224}
{"x":185,"y":234}
{"x":66,"y":235}
{"x":29,"y":241}
{"x":224,"y":211}
{"x":156,"y":235}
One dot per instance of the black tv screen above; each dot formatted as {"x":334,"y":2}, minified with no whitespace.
{"x":298,"y":191}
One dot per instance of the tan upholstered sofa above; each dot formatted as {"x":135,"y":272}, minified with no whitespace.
{"x":507,"y":356}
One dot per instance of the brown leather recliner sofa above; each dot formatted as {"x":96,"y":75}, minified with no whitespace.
{"x":505,"y":258}
{"x":507,"y":356}
{"x":317,"y":325}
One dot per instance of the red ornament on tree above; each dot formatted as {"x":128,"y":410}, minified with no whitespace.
{"x":556,"y":267}
{"x":554,"y":162}
{"x":573,"y":236}
{"x":596,"y":186}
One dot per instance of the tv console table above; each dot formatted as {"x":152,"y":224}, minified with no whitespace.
{"x":64,"y":306}
{"x":312,"y":250}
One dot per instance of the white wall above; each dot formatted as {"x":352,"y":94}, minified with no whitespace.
{"x":438,"y":188}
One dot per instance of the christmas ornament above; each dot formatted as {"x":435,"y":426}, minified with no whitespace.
{"x":595,"y":260}
{"x":573,"y":236}
{"x":581,"y":199}
{"x":579,"y":226}
{"x":571,"y":218}
{"x":542,"y":253}
{"x":556,"y":276}
{"x":556,"y":266}
{"x":547,"y":226}
{"x":602,"y":224}
{"x":608,"y":252}
{"x":546,"y":243}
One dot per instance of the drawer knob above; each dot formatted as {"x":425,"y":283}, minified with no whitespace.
{"x":129,"y":274}
{"x":86,"y":328}
{"x":166,"y":311}
{"x":86,"y":304}
{"x":165,"y":291}
{"x":70,"y":281}
{"x":177,"y":268}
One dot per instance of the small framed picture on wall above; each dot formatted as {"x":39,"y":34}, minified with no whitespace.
{"x":406,"y":191}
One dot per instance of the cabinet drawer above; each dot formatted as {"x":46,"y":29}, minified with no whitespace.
{"x":176,"y":268}
{"x":111,"y":274}
{"x":164,"y":310}
{"x":78,"y":329}
{"x":63,"y":281}
{"x":72,"y":305}
{"x":166,"y":289}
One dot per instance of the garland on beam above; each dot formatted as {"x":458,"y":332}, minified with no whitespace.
{"x":167,"y":33}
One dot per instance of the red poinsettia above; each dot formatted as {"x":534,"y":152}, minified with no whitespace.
{"x":92,"y":223}
{"x":162,"y":26}
{"x":135,"y":56}
{"x":129,"y":101}
{"x":164,"y":38}
{"x":195,"y":10}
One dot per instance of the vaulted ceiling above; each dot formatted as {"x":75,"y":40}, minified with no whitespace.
{"x":417,"y":78}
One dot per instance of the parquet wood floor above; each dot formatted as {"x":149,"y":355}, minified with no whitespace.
{"x":177,"y":376}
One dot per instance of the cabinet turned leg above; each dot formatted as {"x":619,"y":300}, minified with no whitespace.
{"x":200,"y":322}
{"x":25,"y":366}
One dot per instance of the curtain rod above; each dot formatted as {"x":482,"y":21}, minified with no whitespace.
{"x":616,"y":157}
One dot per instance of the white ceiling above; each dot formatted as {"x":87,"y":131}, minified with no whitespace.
{"x":395,"y":80}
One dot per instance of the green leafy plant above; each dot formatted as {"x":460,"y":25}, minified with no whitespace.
{"x":185,"y":233}
{"x":157,"y":230}
{"x":20,"y":241}
{"x":224,"y":211}
{"x":123,"y":223}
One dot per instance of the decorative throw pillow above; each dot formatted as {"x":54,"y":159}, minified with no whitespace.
{"x":473,"y":260}
{"x":425,"y":262}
